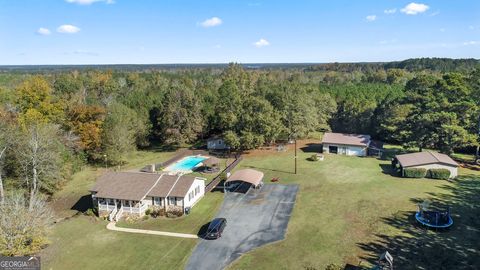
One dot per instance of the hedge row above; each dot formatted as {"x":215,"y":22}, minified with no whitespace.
{"x":439,"y":174}
{"x":415,"y":172}
{"x":431,"y":173}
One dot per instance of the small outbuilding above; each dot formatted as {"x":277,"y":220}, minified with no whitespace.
{"x":216,"y":143}
{"x":427,"y":160}
{"x":242,"y":180}
{"x":346,"y":144}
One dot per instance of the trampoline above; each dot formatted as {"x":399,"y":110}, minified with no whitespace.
{"x":434,"y":219}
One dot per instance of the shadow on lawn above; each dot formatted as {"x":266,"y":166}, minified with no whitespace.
{"x":418,"y":248}
{"x":312,"y":148}
{"x":83,"y":204}
{"x":269,"y":169}
{"x":388,"y":169}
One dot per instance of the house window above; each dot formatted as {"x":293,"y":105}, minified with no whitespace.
{"x":156,"y":201}
{"x":111,"y":201}
{"x":171,"y":200}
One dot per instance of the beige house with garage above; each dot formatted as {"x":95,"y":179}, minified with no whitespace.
{"x":346,"y":144}
{"x":427,"y":160}
{"x":131,"y":193}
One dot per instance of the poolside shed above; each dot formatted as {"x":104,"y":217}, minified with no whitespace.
{"x":244,"y":178}
{"x":211,"y":162}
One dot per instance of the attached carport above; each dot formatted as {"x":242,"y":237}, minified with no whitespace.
{"x":242,"y":180}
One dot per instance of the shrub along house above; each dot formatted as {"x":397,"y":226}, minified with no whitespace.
{"x":131,"y":193}
{"x":427,"y":163}
{"x":346,"y":144}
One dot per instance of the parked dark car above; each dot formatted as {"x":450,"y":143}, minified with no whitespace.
{"x":216,"y":228}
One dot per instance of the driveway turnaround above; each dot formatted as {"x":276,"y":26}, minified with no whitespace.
{"x":111,"y":226}
{"x":254,"y":219}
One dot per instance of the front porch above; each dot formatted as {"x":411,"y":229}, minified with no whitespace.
{"x":116,"y":208}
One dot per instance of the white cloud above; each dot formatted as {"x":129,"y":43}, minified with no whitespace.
{"x":214,"y":21}
{"x":469,"y":43}
{"x":390,"y":11}
{"x":261,"y":43}
{"x":43,"y":31}
{"x":371,"y":18}
{"x":88,"y":2}
{"x":414,"y":8}
{"x":68,"y":29}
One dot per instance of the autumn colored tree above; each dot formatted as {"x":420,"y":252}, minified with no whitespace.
{"x":87,"y":122}
{"x":36,"y":102}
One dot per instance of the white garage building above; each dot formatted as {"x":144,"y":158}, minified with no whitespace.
{"x":428,"y":160}
{"x":346,"y":144}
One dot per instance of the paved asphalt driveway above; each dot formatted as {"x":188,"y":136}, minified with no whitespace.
{"x":254,"y":219}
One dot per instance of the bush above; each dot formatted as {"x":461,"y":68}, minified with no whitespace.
{"x":158,"y":212}
{"x":148,"y":212}
{"x":174,"y":213}
{"x":414,"y":172}
{"x":439,"y":174}
{"x":92,"y":212}
{"x":313,"y":158}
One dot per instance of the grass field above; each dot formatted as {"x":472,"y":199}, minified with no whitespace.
{"x":348,"y":210}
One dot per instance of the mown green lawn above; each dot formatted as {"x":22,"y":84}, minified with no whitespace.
{"x":348,"y":210}
{"x":201,"y":214}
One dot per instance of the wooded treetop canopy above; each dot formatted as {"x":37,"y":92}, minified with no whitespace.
{"x":346,"y":139}
{"x":424,"y":158}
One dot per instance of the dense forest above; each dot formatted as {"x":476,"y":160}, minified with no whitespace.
{"x":53,"y":119}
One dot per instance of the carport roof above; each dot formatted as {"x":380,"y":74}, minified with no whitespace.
{"x":424,"y":158}
{"x":251,"y":176}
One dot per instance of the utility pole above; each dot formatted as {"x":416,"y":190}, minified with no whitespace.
{"x":295,"y":155}
{"x":105,"y":156}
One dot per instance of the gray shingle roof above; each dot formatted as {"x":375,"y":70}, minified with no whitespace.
{"x":425,"y":158}
{"x":135,"y":186}
{"x":346,"y":139}
{"x":125,"y":185}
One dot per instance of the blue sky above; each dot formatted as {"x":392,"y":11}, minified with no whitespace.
{"x":247,"y":31}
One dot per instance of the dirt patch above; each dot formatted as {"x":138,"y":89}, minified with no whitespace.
{"x":307,"y":145}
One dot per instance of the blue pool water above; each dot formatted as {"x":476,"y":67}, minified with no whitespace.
{"x":187,"y":163}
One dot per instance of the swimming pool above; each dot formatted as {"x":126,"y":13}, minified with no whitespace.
{"x":186,"y":164}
